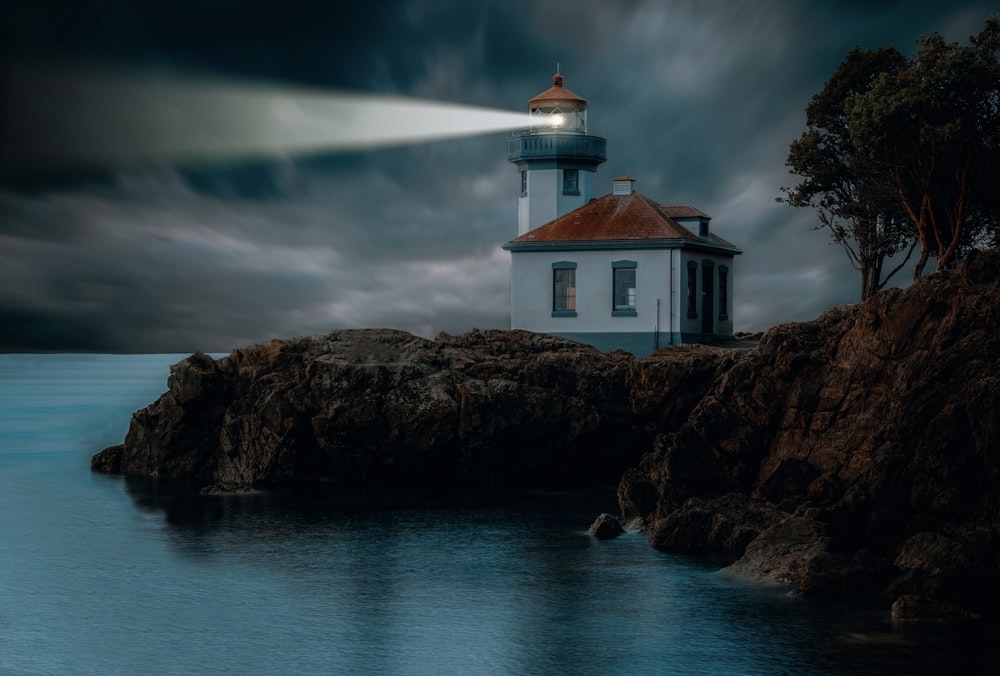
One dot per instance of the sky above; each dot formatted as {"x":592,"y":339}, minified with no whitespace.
{"x":698,"y":101}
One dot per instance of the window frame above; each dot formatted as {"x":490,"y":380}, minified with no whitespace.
{"x":564,"y":272}
{"x":619,"y":271}
{"x":571,"y":182}
{"x":692,"y":290}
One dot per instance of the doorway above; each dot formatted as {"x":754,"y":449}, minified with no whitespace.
{"x":707,"y":297}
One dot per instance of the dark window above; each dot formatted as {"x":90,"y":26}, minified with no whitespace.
{"x":692,"y":289}
{"x":723,"y":292}
{"x":624,"y":289}
{"x":571,"y":182}
{"x":524,"y":183}
{"x":563,"y":290}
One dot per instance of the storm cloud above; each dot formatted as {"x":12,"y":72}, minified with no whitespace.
{"x":698,"y":100}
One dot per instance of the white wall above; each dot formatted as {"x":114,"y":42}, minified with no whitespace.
{"x":531,"y":291}
{"x":545,"y":200}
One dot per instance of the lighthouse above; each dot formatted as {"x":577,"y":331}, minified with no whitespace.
{"x":621,"y":271}
{"x":556,"y":155}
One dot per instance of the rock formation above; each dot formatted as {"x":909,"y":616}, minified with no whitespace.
{"x":606,"y":527}
{"x":380,"y":409}
{"x":858,"y":453}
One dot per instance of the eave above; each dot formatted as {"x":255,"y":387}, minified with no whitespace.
{"x":619,"y":244}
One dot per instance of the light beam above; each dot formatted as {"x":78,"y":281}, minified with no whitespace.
{"x":58,"y":117}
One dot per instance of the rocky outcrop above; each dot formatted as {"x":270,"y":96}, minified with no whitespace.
{"x":380,"y":408}
{"x":386,"y":409}
{"x":862,"y":451}
{"x":858,"y":453}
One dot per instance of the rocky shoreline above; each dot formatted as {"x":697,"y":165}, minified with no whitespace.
{"x":855,"y":454}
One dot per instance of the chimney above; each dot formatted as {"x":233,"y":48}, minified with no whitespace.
{"x":623,"y":185}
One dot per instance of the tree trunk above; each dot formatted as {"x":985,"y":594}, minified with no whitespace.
{"x":867,"y":288}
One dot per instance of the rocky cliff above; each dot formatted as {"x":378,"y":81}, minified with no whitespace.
{"x":385,"y":409}
{"x":857,"y":453}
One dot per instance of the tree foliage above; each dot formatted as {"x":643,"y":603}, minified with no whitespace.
{"x":851,"y":197}
{"x":932,"y":128}
{"x":904,"y":150}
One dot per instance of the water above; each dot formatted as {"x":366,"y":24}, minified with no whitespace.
{"x":99,"y":575}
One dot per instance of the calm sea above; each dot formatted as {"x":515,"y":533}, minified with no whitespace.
{"x":99,"y":575}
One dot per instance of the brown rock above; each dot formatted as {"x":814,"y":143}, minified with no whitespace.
{"x":108,"y":461}
{"x":605,"y":527}
{"x":878,"y":425}
{"x":850,"y":449}
{"x":378,"y":408}
{"x":914,"y":608}
{"x":723,"y":525}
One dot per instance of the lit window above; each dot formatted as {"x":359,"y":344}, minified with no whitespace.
{"x":564,"y":289}
{"x":571,"y":181}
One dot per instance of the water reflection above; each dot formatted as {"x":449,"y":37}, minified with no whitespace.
{"x":100,"y":575}
{"x":515,"y":585}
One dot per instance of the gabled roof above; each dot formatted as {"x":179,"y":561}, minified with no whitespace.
{"x":620,"y":219}
{"x":684,"y":211}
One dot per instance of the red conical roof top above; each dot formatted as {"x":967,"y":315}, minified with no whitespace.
{"x":557,"y":95}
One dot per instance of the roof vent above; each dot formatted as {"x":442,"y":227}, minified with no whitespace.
{"x":623,"y":185}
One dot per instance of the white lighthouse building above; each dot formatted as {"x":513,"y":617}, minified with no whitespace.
{"x":619,"y":271}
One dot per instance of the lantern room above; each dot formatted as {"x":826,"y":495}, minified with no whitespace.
{"x":558,"y":109}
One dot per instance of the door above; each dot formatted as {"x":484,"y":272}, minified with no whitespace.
{"x":707,"y":299}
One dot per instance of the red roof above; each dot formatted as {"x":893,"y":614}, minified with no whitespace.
{"x":557,"y":95}
{"x":618,"y":218}
{"x":684,"y":212}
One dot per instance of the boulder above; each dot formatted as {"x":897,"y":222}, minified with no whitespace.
{"x":606,"y":527}
{"x":914,"y":608}
{"x":723,"y":525}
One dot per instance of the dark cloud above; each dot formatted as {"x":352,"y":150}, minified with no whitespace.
{"x":699,"y":102}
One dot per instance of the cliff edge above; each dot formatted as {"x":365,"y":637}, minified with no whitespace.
{"x":858,"y":453}
{"x":382,"y":409}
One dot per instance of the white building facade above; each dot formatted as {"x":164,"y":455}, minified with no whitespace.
{"x":617,"y":272}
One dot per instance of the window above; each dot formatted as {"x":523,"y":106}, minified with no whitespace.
{"x":623,"y":278}
{"x":723,"y":292}
{"x":692,"y":289}
{"x":524,"y":183}
{"x":571,"y":181}
{"x":564,"y":289}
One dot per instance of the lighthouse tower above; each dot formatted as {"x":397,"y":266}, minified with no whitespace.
{"x":556,"y":155}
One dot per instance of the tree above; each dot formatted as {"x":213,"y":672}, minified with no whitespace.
{"x":851,"y":197}
{"x":931,"y":127}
